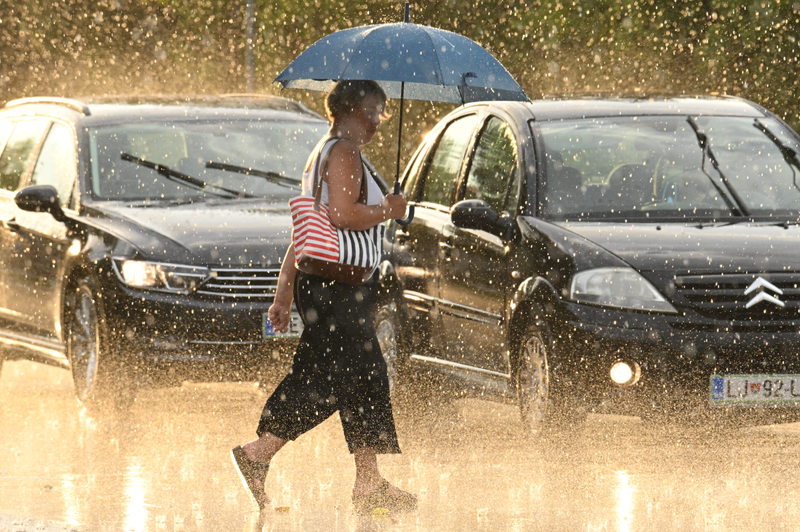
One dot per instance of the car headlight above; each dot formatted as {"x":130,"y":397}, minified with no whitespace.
{"x":618,"y":287}
{"x":160,"y":276}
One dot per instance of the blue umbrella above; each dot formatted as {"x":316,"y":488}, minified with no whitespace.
{"x":408,"y":61}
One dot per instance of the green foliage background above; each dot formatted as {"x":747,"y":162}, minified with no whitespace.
{"x":641,"y":47}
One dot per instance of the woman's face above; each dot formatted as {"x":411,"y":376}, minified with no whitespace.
{"x":368,"y":116}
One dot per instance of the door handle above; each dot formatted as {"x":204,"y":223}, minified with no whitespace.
{"x":445,"y":249}
{"x":11,"y":225}
{"x":401,"y":236}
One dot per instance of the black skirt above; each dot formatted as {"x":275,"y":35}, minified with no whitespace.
{"x":338,"y":365}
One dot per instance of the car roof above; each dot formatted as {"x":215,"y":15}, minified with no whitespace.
{"x":101,"y":110}
{"x":596,"y":107}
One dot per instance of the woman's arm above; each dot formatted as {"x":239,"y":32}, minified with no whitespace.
{"x":343,"y":172}
{"x":279,"y":312}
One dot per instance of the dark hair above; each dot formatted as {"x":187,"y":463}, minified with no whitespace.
{"x":347,"y":94}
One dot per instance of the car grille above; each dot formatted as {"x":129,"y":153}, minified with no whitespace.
{"x":250,"y":283}
{"x":723,"y":296}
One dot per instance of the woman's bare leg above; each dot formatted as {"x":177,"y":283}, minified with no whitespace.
{"x":368,"y":477}
{"x":262,"y":450}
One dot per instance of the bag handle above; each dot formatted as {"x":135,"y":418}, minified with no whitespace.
{"x":317,"y":183}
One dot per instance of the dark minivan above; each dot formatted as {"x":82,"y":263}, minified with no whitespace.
{"x":603,"y":255}
{"x":141,"y":240}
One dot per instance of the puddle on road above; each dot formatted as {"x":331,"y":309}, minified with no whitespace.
{"x":164,"y":466}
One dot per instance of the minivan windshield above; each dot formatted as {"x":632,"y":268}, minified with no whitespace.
{"x":657,"y":167}
{"x":197,"y":160}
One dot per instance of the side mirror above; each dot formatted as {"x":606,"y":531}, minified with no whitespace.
{"x":477,"y":214}
{"x":40,"y":198}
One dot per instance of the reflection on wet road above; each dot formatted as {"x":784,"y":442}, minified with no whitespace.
{"x":164,"y":466}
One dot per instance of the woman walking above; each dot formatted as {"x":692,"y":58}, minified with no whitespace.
{"x":338,"y":364}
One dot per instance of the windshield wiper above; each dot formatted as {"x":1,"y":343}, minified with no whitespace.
{"x":789,"y":153}
{"x":272,"y":177}
{"x":183,"y":179}
{"x":702,"y":138}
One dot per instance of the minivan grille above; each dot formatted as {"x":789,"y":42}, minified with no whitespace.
{"x":252,"y":283}
{"x":723,"y":296}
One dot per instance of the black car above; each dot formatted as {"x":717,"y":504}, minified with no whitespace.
{"x":603,"y":255}
{"x":141,"y":241}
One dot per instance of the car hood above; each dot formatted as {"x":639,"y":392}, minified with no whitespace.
{"x":721,"y":248}
{"x":204,"y":233}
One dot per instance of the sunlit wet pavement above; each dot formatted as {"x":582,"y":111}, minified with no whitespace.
{"x":164,"y":466}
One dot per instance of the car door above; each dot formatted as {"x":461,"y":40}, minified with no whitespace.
{"x":473,"y":267}
{"x":39,"y":244}
{"x":6,"y":127}
{"x":429,"y":186}
{"x":24,"y":137}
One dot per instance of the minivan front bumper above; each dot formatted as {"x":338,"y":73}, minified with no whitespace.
{"x":675,"y":355}
{"x":196,"y":338}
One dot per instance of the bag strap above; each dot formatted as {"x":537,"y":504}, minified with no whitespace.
{"x":317,"y":183}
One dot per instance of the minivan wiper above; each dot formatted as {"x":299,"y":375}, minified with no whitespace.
{"x":789,"y":153}
{"x":183,"y":179}
{"x":702,"y":138}
{"x":272,"y":177}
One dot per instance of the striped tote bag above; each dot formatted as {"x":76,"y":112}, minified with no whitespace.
{"x":323,"y":249}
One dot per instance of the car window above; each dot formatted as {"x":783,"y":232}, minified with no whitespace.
{"x":493,"y":172}
{"x":410,"y":186}
{"x":56,"y":165}
{"x":751,"y":159}
{"x":120,"y":156}
{"x":670,"y":166}
{"x":18,"y":151}
{"x":446,"y":161}
{"x":6,"y":127}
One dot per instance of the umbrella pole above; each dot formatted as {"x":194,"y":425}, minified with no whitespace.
{"x":399,"y":140}
{"x":407,"y":18}
{"x":410,"y":216}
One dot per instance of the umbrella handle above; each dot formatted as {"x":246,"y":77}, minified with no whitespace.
{"x":405,"y":221}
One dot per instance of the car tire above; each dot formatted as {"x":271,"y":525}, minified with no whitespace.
{"x":386,"y":329}
{"x":98,"y":375}
{"x":545,"y":403}
{"x":532,"y":378}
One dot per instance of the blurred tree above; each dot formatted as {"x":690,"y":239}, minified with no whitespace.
{"x":745,"y":48}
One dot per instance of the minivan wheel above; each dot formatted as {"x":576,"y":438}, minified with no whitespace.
{"x":387,"y":333}
{"x":532,"y":378}
{"x":97,"y":377}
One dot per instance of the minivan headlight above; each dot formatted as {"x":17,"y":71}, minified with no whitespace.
{"x":160,"y":276}
{"x":618,"y":287}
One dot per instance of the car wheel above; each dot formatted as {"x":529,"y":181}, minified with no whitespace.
{"x":532,"y":378}
{"x":96,"y":375}
{"x":388,"y":339}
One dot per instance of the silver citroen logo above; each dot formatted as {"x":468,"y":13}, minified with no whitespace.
{"x":760,"y":285}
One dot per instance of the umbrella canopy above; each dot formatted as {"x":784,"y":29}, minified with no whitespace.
{"x":408,"y":61}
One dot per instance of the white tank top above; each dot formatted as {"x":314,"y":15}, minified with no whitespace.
{"x":374,"y":193}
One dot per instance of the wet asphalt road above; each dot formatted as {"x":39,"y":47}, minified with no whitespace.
{"x":164,"y":466}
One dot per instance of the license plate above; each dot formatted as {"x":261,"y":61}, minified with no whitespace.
{"x":294,"y":330}
{"x":755,"y":389}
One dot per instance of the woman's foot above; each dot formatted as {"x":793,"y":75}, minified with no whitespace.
{"x":381,"y":494}
{"x":253,"y":475}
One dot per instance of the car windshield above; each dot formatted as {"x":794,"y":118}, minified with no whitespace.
{"x":198,"y":160}
{"x":657,"y":167}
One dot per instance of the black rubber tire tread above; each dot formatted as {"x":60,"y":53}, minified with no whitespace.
{"x":110,"y":387}
{"x":384,"y":316}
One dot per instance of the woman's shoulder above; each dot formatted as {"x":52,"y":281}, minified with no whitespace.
{"x":345,"y":149}
{"x":343,"y":144}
